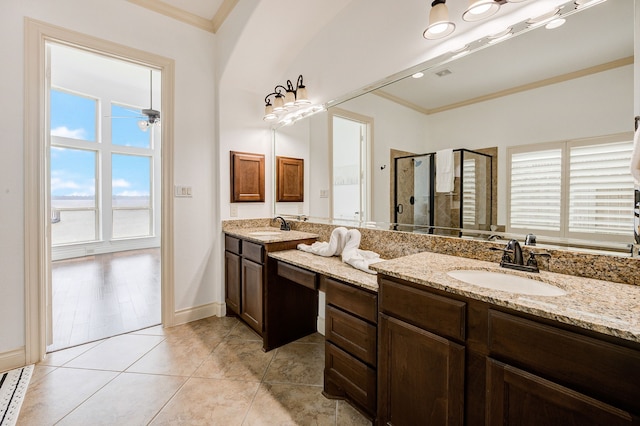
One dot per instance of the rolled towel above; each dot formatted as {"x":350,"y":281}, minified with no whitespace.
{"x":327,"y":249}
{"x":359,"y":259}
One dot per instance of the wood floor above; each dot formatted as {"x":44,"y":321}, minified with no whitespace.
{"x":104,"y":295}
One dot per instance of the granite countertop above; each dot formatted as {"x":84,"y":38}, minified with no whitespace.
{"x":601,"y":306}
{"x":332,"y":267}
{"x":266,"y":235}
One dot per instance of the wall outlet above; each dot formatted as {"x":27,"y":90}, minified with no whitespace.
{"x":233,"y":210}
{"x":324,"y":193}
{"x":182,"y":191}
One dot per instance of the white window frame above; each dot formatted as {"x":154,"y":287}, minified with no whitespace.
{"x":598,"y":239}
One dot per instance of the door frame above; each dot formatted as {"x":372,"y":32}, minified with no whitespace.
{"x":37,"y":226}
{"x":367,"y":122}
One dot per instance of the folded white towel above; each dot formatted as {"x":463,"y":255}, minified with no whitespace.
{"x":359,"y":259}
{"x":333,"y":248}
{"x":635,"y":158}
{"x":444,"y":170}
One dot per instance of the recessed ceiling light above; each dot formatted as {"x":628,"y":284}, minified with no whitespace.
{"x":419,"y":74}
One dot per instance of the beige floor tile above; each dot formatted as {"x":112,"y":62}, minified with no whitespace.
{"x":56,"y":394}
{"x":298,"y":363}
{"x":285,"y":404}
{"x":243,"y":332}
{"x":116,"y":353}
{"x":208,"y":402}
{"x":236,"y":360}
{"x":316,"y":338}
{"x":176,"y":356}
{"x":130,"y":399}
{"x":207,"y":328}
{"x":156,"y":330}
{"x":349,"y":416}
{"x":59,"y":358}
{"x":39,"y":371}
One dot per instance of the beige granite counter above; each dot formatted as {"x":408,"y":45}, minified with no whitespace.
{"x":332,"y":267}
{"x":601,"y":306}
{"x":266,"y":234}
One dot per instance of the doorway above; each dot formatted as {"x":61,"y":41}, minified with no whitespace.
{"x":104,"y":171}
{"x":350,"y":145}
{"x":38,"y":253}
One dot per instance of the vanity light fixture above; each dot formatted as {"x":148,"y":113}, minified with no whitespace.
{"x":480,"y":9}
{"x":285,"y":99}
{"x":502,"y":35}
{"x":439,"y":24}
{"x":583,"y":4}
{"x":544,"y":18}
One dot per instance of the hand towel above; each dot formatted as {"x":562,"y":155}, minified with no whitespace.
{"x":359,"y":259}
{"x":635,"y":158}
{"x":444,"y":170}
{"x":333,"y":248}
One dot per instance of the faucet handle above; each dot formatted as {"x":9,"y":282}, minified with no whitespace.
{"x":533,"y":262}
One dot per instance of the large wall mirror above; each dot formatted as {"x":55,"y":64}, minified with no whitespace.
{"x":523,"y":98}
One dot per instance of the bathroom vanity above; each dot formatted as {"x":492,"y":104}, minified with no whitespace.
{"x":246,"y":270}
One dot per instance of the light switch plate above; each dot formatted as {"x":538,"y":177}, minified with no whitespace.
{"x":182,"y":191}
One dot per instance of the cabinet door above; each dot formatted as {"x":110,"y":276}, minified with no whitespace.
{"x":420,"y":376}
{"x":251,"y":306}
{"x":515,"y":397}
{"x":232,"y":281}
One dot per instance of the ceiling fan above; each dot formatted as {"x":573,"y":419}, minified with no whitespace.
{"x":150,"y":116}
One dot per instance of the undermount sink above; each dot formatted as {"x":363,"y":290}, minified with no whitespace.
{"x":265,"y":233}
{"x":506,"y":282}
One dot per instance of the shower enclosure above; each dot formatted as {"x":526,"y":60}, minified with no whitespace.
{"x":419,"y":208}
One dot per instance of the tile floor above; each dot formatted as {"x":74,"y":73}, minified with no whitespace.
{"x":99,"y":296}
{"x":208,"y":372}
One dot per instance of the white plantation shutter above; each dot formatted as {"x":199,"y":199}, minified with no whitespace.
{"x":469,"y":192}
{"x":601,"y":189}
{"x":536,"y":188}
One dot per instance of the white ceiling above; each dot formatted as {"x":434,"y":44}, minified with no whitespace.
{"x":591,"y":37}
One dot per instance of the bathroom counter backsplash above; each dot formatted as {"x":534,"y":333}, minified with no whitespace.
{"x":601,"y":306}
{"x":332,"y":267}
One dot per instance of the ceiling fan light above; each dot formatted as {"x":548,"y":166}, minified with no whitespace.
{"x":480,"y":9}
{"x":301,"y":96}
{"x":143,"y":125}
{"x":439,"y":24}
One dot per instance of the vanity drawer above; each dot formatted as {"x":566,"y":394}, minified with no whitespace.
{"x":252,"y":251}
{"x":352,"y":334}
{"x":441,"y":315}
{"x":232,"y":244}
{"x":298,"y":275}
{"x":352,"y":299}
{"x":594,"y":367}
{"x":352,"y":377}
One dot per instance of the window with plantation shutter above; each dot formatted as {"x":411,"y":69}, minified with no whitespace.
{"x":469,"y":193}
{"x":600,"y":189}
{"x":536,"y":187}
{"x":579,"y":189}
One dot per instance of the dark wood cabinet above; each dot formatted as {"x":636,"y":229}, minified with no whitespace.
{"x":289,"y":179}
{"x":232,"y":274}
{"x":251,"y":291}
{"x":516,"y":397}
{"x":420,"y":376}
{"x":351,"y":345}
{"x":247,"y":177}
{"x":448,"y":359}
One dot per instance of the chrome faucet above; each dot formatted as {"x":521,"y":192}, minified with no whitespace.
{"x":285,"y":226}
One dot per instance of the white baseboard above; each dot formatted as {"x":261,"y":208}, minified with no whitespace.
{"x":184,"y":316}
{"x":320,"y":325}
{"x":12,"y":359}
